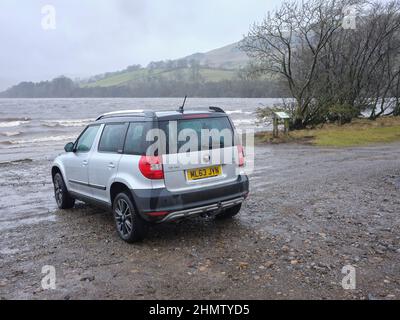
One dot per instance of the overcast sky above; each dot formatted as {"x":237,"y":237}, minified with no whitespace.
{"x":95,"y":36}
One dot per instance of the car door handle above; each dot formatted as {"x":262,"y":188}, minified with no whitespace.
{"x":85,"y":162}
{"x":111,"y":165}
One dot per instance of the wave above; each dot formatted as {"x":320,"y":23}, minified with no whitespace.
{"x":10,"y":124}
{"x":66,"y":123}
{"x":239,"y":111}
{"x":10,"y":133}
{"x":244,"y":121}
{"x":41,"y":139}
{"x":15,"y":119}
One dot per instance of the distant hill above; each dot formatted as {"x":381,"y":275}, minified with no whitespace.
{"x":228,"y":57}
{"x":129,"y":78}
{"x":216,"y":65}
{"x":216,"y":73}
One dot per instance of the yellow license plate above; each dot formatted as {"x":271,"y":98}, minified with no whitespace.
{"x":196,"y":174}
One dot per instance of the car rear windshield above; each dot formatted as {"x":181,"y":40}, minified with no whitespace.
{"x":211,"y":133}
{"x":208,"y":133}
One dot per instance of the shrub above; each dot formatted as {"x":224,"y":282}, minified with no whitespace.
{"x":341,"y":113}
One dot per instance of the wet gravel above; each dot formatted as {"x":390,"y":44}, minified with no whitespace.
{"x":311,"y":211}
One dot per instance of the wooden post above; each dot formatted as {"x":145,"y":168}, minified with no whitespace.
{"x":275,"y":130}
{"x":286,"y":126}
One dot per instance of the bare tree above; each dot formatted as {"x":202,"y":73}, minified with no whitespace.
{"x":289,"y":43}
{"x":332,"y":73}
{"x":360,"y":68}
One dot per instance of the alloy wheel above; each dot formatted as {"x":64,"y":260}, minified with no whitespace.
{"x":123,"y":216}
{"x":58,"y":192}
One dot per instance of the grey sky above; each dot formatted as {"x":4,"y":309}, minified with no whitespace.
{"x":95,"y":36}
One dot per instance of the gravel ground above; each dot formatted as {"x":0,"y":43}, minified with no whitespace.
{"x":311,"y":211}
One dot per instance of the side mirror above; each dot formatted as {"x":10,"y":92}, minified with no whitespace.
{"x":69,"y":147}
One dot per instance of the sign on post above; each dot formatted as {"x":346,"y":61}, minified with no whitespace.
{"x":280,"y":117}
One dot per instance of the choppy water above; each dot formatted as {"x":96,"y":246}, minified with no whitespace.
{"x":39,"y":128}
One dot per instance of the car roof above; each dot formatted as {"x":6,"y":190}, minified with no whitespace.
{"x":141,"y":115}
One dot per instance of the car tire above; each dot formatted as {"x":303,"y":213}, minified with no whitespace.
{"x":229,"y":213}
{"x":61,"y":194}
{"x":130,"y":226}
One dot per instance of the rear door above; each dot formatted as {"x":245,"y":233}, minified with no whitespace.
{"x":208,"y":162}
{"x":105,"y":159}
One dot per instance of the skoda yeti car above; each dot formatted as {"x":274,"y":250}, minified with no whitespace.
{"x":154,"y":167}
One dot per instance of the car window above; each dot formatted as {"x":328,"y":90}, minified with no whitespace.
{"x":136,"y":143}
{"x":85,"y":141}
{"x":112,"y":139}
{"x":220,"y":125}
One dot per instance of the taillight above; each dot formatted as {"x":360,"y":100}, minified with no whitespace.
{"x":195,"y":116}
{"x":241,"y":155}
{"x":151,"y":167}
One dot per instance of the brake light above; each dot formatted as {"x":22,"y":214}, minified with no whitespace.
{"x":195,"y":116}
{"x":241,"y":155}
{"x":151,"y":167}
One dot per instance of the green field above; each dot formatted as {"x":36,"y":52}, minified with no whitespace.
{"x":185,"y":74}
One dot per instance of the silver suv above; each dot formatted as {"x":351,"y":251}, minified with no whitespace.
{"x":142,"y":167}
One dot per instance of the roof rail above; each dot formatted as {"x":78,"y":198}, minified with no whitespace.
{"x":126,"y":113}
{"x":217,"y":109}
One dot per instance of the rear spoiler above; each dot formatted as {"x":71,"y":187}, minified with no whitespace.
{"x":217,"y":109}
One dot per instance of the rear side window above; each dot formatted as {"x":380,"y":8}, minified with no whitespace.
{"x":85,"y":141}
{"x":112,"y":138}
{"x":136,"y":143}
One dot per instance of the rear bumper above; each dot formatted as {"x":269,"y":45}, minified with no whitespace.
{"x":215,"y":207}
{"x":185,"y":204}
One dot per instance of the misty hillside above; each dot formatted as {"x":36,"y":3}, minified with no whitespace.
{"x":228,"y":57}
{"x":216,"y":65}
{"x":187,"y":74}
{"x":212,"y":74}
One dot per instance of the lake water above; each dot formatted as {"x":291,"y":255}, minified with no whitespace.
{"x":39,"y":128}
